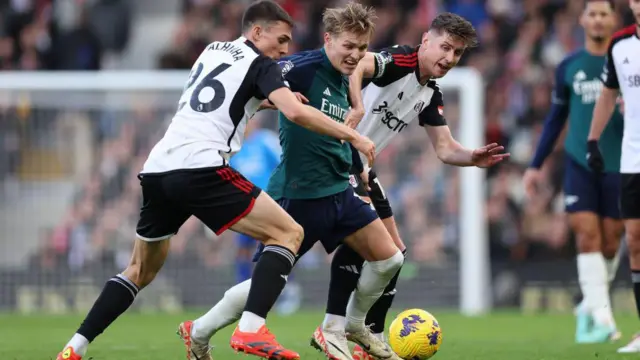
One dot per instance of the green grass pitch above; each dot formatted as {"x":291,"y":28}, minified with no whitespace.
{"x":500,"y":336}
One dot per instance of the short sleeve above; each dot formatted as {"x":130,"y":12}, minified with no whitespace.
{"x":561,"y":93}
{"x":433,"y":114}
{"x":299,"y":70}
{"x":609,"y":75}
{"x":394,"y":63}
{"x":268,"y":76}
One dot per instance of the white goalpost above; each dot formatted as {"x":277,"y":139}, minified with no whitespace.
{"x":475,"y":283}
{"x":475,"y":265}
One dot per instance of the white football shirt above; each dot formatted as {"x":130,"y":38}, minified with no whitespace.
{"x":622,"y":71}
{"x":225,"y":88}
{"x":394,"y":97}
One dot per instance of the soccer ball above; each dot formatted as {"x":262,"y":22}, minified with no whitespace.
{"x":415,"y":335}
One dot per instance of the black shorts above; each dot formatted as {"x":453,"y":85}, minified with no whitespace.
{"x":630,"y":196}
{"x":377,"y":194}
{"x":218,"y":196}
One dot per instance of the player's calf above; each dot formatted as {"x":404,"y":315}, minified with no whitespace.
{"x":592,"y":268}
{"x":226,"y":312}
{"x":119,"y":293}
{"x":384,"y":260}
{"x":612,"y":234}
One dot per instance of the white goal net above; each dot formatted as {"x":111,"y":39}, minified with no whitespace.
{"x":70,"y":148}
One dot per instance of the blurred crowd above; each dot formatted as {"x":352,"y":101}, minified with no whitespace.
{"x":521,"y":42}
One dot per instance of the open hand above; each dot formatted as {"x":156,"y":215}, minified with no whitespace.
{"x":488,"y":155}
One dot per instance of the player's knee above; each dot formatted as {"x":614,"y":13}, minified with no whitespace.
{"x":390,"y":265}
{"x":633,"y":243}
{"x":610,"y":249}
{"x":588,"y":240}
{"x":292,"y":237}
{"x":139,"y":274}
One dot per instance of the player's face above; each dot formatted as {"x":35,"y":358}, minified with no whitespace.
{"x":598,"y":20}
{"x":346,"y":50}
{"x":272,"y":39}
{"x":635,"y":7}
{"x":439,"y":53}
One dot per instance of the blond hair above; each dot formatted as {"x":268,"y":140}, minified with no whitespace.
{"x":354,"y":18}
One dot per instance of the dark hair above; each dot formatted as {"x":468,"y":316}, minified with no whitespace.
{"x":611,"y":3}
{"x":456,"y":26}
{"x":264,"y":11}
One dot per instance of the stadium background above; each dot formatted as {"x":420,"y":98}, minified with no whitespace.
{"x":69,"y":195}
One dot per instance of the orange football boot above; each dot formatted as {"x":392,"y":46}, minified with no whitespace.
{"x":262,"y":343}
{"x":68,"y":354}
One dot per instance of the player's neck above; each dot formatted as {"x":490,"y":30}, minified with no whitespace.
{"x":597,"y":48}
{"x":423,"y":74}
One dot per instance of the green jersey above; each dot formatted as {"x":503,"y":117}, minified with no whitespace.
{"x":312,"y":165}
{"x":577,"y":87}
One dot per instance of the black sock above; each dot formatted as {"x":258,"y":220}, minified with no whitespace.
{"x":345,"y":272}
{"x":635,"y":278}
{"x":269,"y":278}
{"x":378,"y":313}
{"x":116,"y":297}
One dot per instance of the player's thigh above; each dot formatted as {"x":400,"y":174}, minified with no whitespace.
{"x":392,"y":229}
{"x":630,"y":211}
{"x":587,"y":227}
{"x":581,"y":189}
{"x":160,"y":217}
{"x":270,"y":224}
{"x":372,"y":242}
{"x":316,"y":216}
{"x":361,"y":228}
{"x":224,"y":199}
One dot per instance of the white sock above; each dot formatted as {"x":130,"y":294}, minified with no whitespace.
{"x":612,"y":267}
{"x":79,"y":344}
{"x":592,"y":274}
{"x":374,"y":278}
{"x":334,"y":322}
{"x":250,"y":322}
{"x":227,"y":311}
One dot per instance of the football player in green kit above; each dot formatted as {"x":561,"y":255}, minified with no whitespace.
{"x":312,"y":184}
{"x":591,"y":199}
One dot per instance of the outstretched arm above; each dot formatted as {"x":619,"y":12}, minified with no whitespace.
{"x":451,"y":152}
{"x":448,"y":150}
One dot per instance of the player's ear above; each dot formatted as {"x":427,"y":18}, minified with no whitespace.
{"x":425,"y":38}
{"x":256,"y":31}
{"x":327,"y":38}
{"x":583,"y":19}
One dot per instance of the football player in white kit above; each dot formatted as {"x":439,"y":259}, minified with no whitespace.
{"x":187,"y":174}
{"x":621,"y":76}
{"x":398,"y":88}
